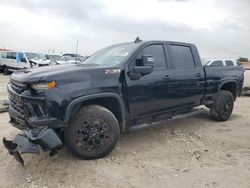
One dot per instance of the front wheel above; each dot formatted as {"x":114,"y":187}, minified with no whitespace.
{"x":5,"y":70}
{"x":92,"y":133}
{"x":222,"y":107}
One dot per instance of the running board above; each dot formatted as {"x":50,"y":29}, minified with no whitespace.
{"x":172,"y":119}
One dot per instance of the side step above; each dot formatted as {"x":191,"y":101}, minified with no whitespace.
{"x":172,"y":119}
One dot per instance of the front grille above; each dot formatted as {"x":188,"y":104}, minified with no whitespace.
{"x":22,"y":107}
{"x":16,"y":104}
{"x":17,"y":86}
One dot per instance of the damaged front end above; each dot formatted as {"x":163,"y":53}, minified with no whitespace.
{"x":29,"y":114}
{"x":29,"y":142}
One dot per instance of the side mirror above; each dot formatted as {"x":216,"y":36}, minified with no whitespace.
{"x":147,"y":60}
{"x":143,"y":69}
{"x":145,"y":66}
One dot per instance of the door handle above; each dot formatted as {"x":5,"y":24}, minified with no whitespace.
{"x":167,"y":77}
{"x":198,"y":75}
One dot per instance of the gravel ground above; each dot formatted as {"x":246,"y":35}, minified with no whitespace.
{"x":3,"y":86}
{"x":195,"y":152}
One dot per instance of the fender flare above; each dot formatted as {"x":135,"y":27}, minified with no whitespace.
{"x":229,"y":81}
{"x":78,"y":100}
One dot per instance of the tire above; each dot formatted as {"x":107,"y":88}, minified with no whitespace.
{"x":222,"y":107}
{"x":5,"y":70}
{"x":93,"y":132}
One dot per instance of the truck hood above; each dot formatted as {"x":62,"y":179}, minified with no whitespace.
{"x":57,"y":72}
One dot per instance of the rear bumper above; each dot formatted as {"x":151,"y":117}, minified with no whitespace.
{"x":31,"y":141}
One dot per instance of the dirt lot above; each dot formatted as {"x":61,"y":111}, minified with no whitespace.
{"x":195,"y":152}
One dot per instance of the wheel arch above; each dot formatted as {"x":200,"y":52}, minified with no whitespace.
{"x":111,"y":101}
{"x":230,"y":86}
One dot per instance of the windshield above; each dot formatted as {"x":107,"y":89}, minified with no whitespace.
{"x":35,"y":56}
{"x":112,"y":55}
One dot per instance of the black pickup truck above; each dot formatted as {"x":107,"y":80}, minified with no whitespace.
{"x":120,"y":88}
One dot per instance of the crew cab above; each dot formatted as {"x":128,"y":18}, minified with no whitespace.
{"x":118,"y":89}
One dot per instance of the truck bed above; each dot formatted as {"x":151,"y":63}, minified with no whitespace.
{"x":215,"y":76}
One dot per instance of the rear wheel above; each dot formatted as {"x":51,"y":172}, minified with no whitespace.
{"x":222,"y":107}
{"x":93,"y":132}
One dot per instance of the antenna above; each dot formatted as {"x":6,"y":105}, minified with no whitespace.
{"x":137,"y":40}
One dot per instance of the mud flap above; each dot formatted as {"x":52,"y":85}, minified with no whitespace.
{"x":48,"y":140}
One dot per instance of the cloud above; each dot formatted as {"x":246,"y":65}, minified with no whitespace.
{"x":219,"y":28}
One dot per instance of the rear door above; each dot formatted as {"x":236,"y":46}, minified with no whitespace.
{"x":189,"y":76}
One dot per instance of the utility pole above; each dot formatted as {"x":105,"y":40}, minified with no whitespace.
{"x":76,"y":46}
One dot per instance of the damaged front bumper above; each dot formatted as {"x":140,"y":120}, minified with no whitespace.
{"x":30,"y":141}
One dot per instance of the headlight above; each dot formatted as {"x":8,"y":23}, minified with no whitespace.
{"x":43,"y":85}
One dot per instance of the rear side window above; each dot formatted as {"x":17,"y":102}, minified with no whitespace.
{"x":229,"y":63}
{"x":216,"y":64}
{"x":157,"y":53}
{"x":4,"y":55}
{"x":11,"y":55}
{"x":8,"y":55}
{"x":181,"y":57}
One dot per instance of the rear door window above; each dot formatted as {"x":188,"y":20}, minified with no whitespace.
{"x":217,"y":63}
{"x":229,"y":63}
{"x":11,"y":55}
{"x":181,"y":57}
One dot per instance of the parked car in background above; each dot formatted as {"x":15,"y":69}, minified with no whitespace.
{"x":11,"y":61}
{"x":37,"y":59}
{"x":219,"y":62}
{"x":56,"y":59}
{"x":77,"y":57}
{"x":14,"y":60}
{"x":246,"y":86}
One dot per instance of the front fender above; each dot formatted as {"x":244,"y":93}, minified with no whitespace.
{"x":79,"y":100}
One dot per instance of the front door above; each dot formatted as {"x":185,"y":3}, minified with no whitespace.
{"x":151,"y":93}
